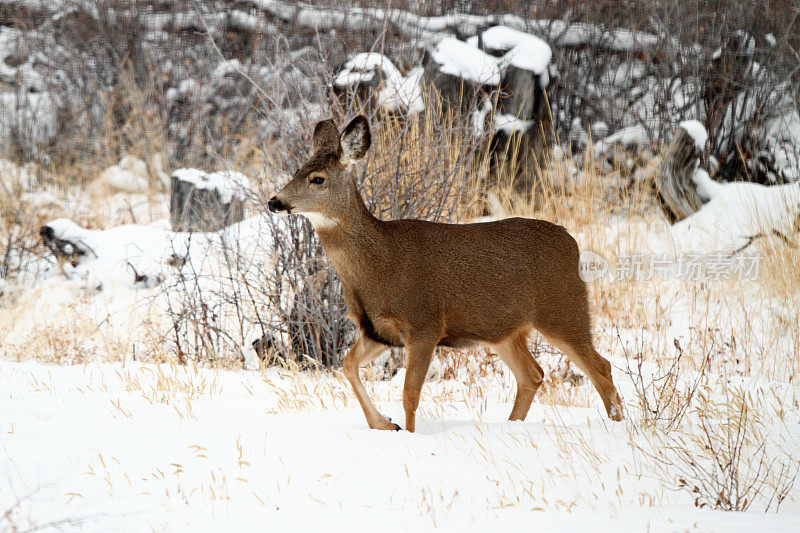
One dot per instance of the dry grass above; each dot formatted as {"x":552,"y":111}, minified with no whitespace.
{"x":430,"y":166}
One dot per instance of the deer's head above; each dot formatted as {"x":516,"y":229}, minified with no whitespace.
{"x":323,"y":188}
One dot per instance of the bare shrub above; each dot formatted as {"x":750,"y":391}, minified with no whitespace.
{"x":666,"y":395}
{"x":729,"y":461}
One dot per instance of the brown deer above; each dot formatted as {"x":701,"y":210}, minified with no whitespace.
{"x":420,"y":284}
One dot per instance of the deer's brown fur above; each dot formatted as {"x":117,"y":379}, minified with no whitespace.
{"x":421,"y":284}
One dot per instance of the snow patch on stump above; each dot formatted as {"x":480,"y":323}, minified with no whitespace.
{"x":696,"y":131}
{"x":458,"y":58}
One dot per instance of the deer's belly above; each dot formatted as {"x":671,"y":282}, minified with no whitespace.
{"x":381,"y":330}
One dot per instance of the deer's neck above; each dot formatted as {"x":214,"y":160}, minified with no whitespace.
{"x":353,"y":239}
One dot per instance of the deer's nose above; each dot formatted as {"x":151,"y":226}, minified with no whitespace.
{"x":276,"y":205}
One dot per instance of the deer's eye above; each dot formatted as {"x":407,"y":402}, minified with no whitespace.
{"x":317,"y":180}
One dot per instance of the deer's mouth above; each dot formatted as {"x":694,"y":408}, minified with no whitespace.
{"x":277,"y":206}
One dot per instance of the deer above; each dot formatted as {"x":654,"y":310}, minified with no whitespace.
{"x":420,"y":285}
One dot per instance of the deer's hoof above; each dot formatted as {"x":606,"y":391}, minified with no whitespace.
{"x":386,"y":425}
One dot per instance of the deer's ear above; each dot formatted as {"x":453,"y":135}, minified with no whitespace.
{"x":355,"y":140}
{"x":326,"y":137}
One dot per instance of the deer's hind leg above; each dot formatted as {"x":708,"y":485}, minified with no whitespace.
{"x":577,"y":346}
{"x":419,"y":353}
{"x":515,"y":354}
{"x":363,"y":351}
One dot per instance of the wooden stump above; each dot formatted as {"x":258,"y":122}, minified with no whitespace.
{"x":522,"y":96}
{"x":206,"y":202}
{"x":454,"y":92}
{"x":674,"y":185}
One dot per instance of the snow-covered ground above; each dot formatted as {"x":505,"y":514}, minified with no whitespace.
{"x":130,"y":447}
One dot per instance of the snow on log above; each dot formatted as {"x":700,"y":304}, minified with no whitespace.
{"x":128,"y":254}
{"x":631,"y":138}
{"x":518,"y":49}
{"x":727,"y":217}
{"x":524,"y":61}
{"x":434,"y":28}
{"x":206,"y":202}
{"x":461,"y":60}
{"x":457,"y":71}
{"x":501,"y":58}
{"x":736,"y":214}
{"x":374,"y":73}
{"x":675,"y":186}
{"x":189,"y":279}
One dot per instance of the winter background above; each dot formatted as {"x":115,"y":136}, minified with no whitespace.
{"x":170,"y":353}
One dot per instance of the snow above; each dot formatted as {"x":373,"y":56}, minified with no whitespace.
{"x":227,"y":68}
{"x":633,"y":136}
{"x":599,"y":130}
{"x":398,"y":92}
{"x":128,"y":274}
{"x":130,"y":175}
{"x":706,"y":187}
{"x":524,"y":51}
{"x":696,"y":130}
{"x":128,"y":447}
{"x":27,"y":117}
{"x":39,"y":200}
{"x":626,"y":72}
{"x":27,"y":111}
{"x":364,"y":64}
{"x":735,"y":212}
{"x":454,"y":57}
{"x":783,"y":135}
{"x":407,"y":94}
{"x":110,"y":252}
{"x":521,"y":50}
{"x":576,"y":34}
{"x":506,"y":123}
{"x":228,"y":184}
{"x":458,"y":58}
{"x":770,"y":39}
{"x":510,"y":124}
{"x":746,"y":42}
{"x":122,"y":445}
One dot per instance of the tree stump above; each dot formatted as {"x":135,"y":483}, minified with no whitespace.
{"x":522,"y":95}
{"x":206,"y":202}
{"x":674,"y":185}
{"x":454,"y":93}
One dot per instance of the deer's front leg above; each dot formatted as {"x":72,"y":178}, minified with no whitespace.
{"x":418,"y":359}
{"x":363,"y":351}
